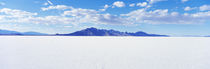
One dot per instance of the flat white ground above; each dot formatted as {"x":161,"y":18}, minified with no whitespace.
{"x":51,"y":52}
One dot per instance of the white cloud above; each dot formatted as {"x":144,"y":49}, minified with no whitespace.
{"x":16,"y":13}
{"x":2,"y":4}
{"x":68,"y":26}
{"x":154,"y":1}
{"x":46,"y":3}
{"x":164,"y":17}
{"x":159,"y":16}
{"x":201,"y":8}
{"x":132,"y":5}
{"x":105,"y":7}
{"x":79,"y":15}
{"x":189,"y":8}
{"x":70,"y":16}
{"x":12,"y":15}
{"x":174,"y":13}
{"x":118,"y":4}
{"x":203,"y":15}
{"x":144,"y":4}
{"x":184,"y":1}
{"x":205,"y":8}
{"x":49,"y":2}
{"x":58,"y":7}
{"x":93,"y":16}
{"x":47,"y":20}
{"x":80,"y":12}
{"x":149,"y":3}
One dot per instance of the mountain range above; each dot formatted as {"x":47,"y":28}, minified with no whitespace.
{"x":103,"y":32}
{"x":86,"y":32}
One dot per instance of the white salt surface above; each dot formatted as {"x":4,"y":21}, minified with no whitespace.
{"x":50,"y":52}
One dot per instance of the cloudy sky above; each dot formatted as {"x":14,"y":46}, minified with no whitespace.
{"x":171,"y":17}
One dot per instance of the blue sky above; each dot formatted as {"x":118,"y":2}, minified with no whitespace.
{"x":171,"y":17}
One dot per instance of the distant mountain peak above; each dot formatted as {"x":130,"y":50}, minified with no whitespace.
{"x":91,"y":28}
{"x":103,"y":32}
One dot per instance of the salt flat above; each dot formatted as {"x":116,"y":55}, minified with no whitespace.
{"x":54,"y":52}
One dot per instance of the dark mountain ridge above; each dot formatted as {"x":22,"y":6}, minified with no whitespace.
{"x":103,"y":32}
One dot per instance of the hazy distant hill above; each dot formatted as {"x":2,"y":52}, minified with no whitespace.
{"x":102,"y":32}
{"x":8,"y":32}
{"x":33,"y":33}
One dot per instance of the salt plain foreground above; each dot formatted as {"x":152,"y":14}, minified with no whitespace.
{"x":52,"y":52}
